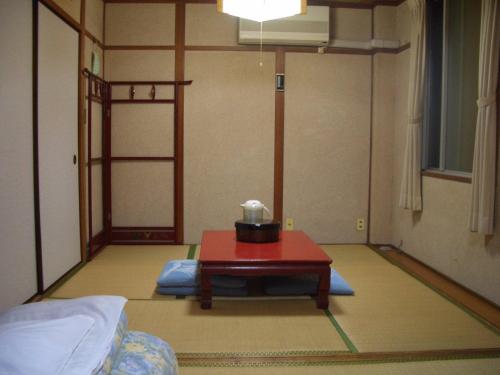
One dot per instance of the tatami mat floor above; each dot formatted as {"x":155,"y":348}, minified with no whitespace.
{"x":390,"y":312}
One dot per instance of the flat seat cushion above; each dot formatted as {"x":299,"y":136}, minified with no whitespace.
{"x":304,"y":285}
{"x":192,"y":291}
{"x":179,"y":273}
{"x":185,"y":273}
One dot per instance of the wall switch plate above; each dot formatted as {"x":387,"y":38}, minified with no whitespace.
{"x":280,"y":82}
{"x":360,"y":224}
{"x":289,"y":223}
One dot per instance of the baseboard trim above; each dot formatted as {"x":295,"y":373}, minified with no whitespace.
{"x":142,"y":236}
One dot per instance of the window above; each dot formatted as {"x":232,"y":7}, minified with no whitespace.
{"x":451,"y":84}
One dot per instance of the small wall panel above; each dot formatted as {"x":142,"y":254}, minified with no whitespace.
{"x":72,"y":7}
{"x":96,"y":129}
{"x":18,"y":279}
{"x":327,"y":127}
{"x":94,"y":10}
{"x":97,"y":204}
{"x":97,"y":200}
{"x":385,"y":22}
{"x":142,"y":194}
{"x":403,"y":23}
{"x":229,"y":138}
{"x":351,"y":24}
{"x":142,"y":130}
{"x":140,"y":24}
{"x":207,"y":27}
{"x":139,"y":65}
{"x":89,"y":47}
{"x":384,"y":83}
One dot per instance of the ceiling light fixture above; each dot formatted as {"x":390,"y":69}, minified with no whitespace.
{"x":262,"y":10}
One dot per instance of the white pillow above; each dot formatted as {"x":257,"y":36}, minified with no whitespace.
{"x":95,"y":346}
{"x":41,"y":347}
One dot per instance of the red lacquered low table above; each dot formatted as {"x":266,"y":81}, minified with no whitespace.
{"x":294,"y":254}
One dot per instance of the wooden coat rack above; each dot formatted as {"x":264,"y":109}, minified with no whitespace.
{"x":100,"y":91}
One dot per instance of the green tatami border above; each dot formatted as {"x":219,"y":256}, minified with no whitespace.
{"x":347,"y":341}
{"x":191,"y":251}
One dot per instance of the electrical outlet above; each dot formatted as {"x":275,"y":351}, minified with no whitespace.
{"x":360,"y":224}
{"x":289,"y":223}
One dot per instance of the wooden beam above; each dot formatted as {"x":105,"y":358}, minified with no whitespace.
{"x":279,"y":133}
{"x":82,"y":193}
{"x":62,"y":14}
{"x":367,"y":4}
{"x":36,"y":176}
{"x":180,"y":43}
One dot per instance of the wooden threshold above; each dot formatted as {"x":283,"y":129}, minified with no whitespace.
{"x":459,"y":294}
{"x":249,"y":360}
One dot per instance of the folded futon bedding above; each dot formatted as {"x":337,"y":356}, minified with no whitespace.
{"x":83,"y":336}
{"x":136,"y":353}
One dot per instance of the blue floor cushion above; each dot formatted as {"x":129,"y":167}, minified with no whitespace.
{"x":184,"y":273}
{"x":177,"y":290}
{"x":226,"y":281}
{"x":305,"y":284}
{"x":192,"y":291}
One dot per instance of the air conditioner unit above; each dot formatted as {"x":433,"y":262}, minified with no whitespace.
{"x":310,"y":29}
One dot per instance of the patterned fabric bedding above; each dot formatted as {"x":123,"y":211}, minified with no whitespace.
{"x":135,"y":353}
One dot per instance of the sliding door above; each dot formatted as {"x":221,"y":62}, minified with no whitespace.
{"x":58,"y":145}
{"x":17,"y":251}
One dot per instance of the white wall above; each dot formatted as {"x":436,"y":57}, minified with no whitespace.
{"x":17,"y":246}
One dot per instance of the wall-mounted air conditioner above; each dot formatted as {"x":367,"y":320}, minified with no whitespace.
{"x":310,"y":29}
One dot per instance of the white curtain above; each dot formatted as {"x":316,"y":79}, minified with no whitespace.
{"x":411,"y":194}
{"x":483,"y":168}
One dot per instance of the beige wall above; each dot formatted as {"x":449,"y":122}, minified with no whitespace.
{"x":139,"y":24}
{"x":205,"y":26}
{"x":351,"y":24}
{"x":220,"y":83}
{"x":439,"y":235}
{"x":90,"y":47}
{"x":327,"y":128}
{"x":139,"y":65}
{"x":17,"y":249}
{"x":385,"y":22}
{"x":384,"y":81}
{"x":142,"y":130}
{"x":94,"y":18}
{"x":72,"y":7}
{"x":403,"y":23}
{"x":229,"y":138}
{"x":142,"y":192}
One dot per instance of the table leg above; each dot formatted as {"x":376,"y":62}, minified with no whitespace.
{"x":206,"y":291}
{"x":323,"y":288}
